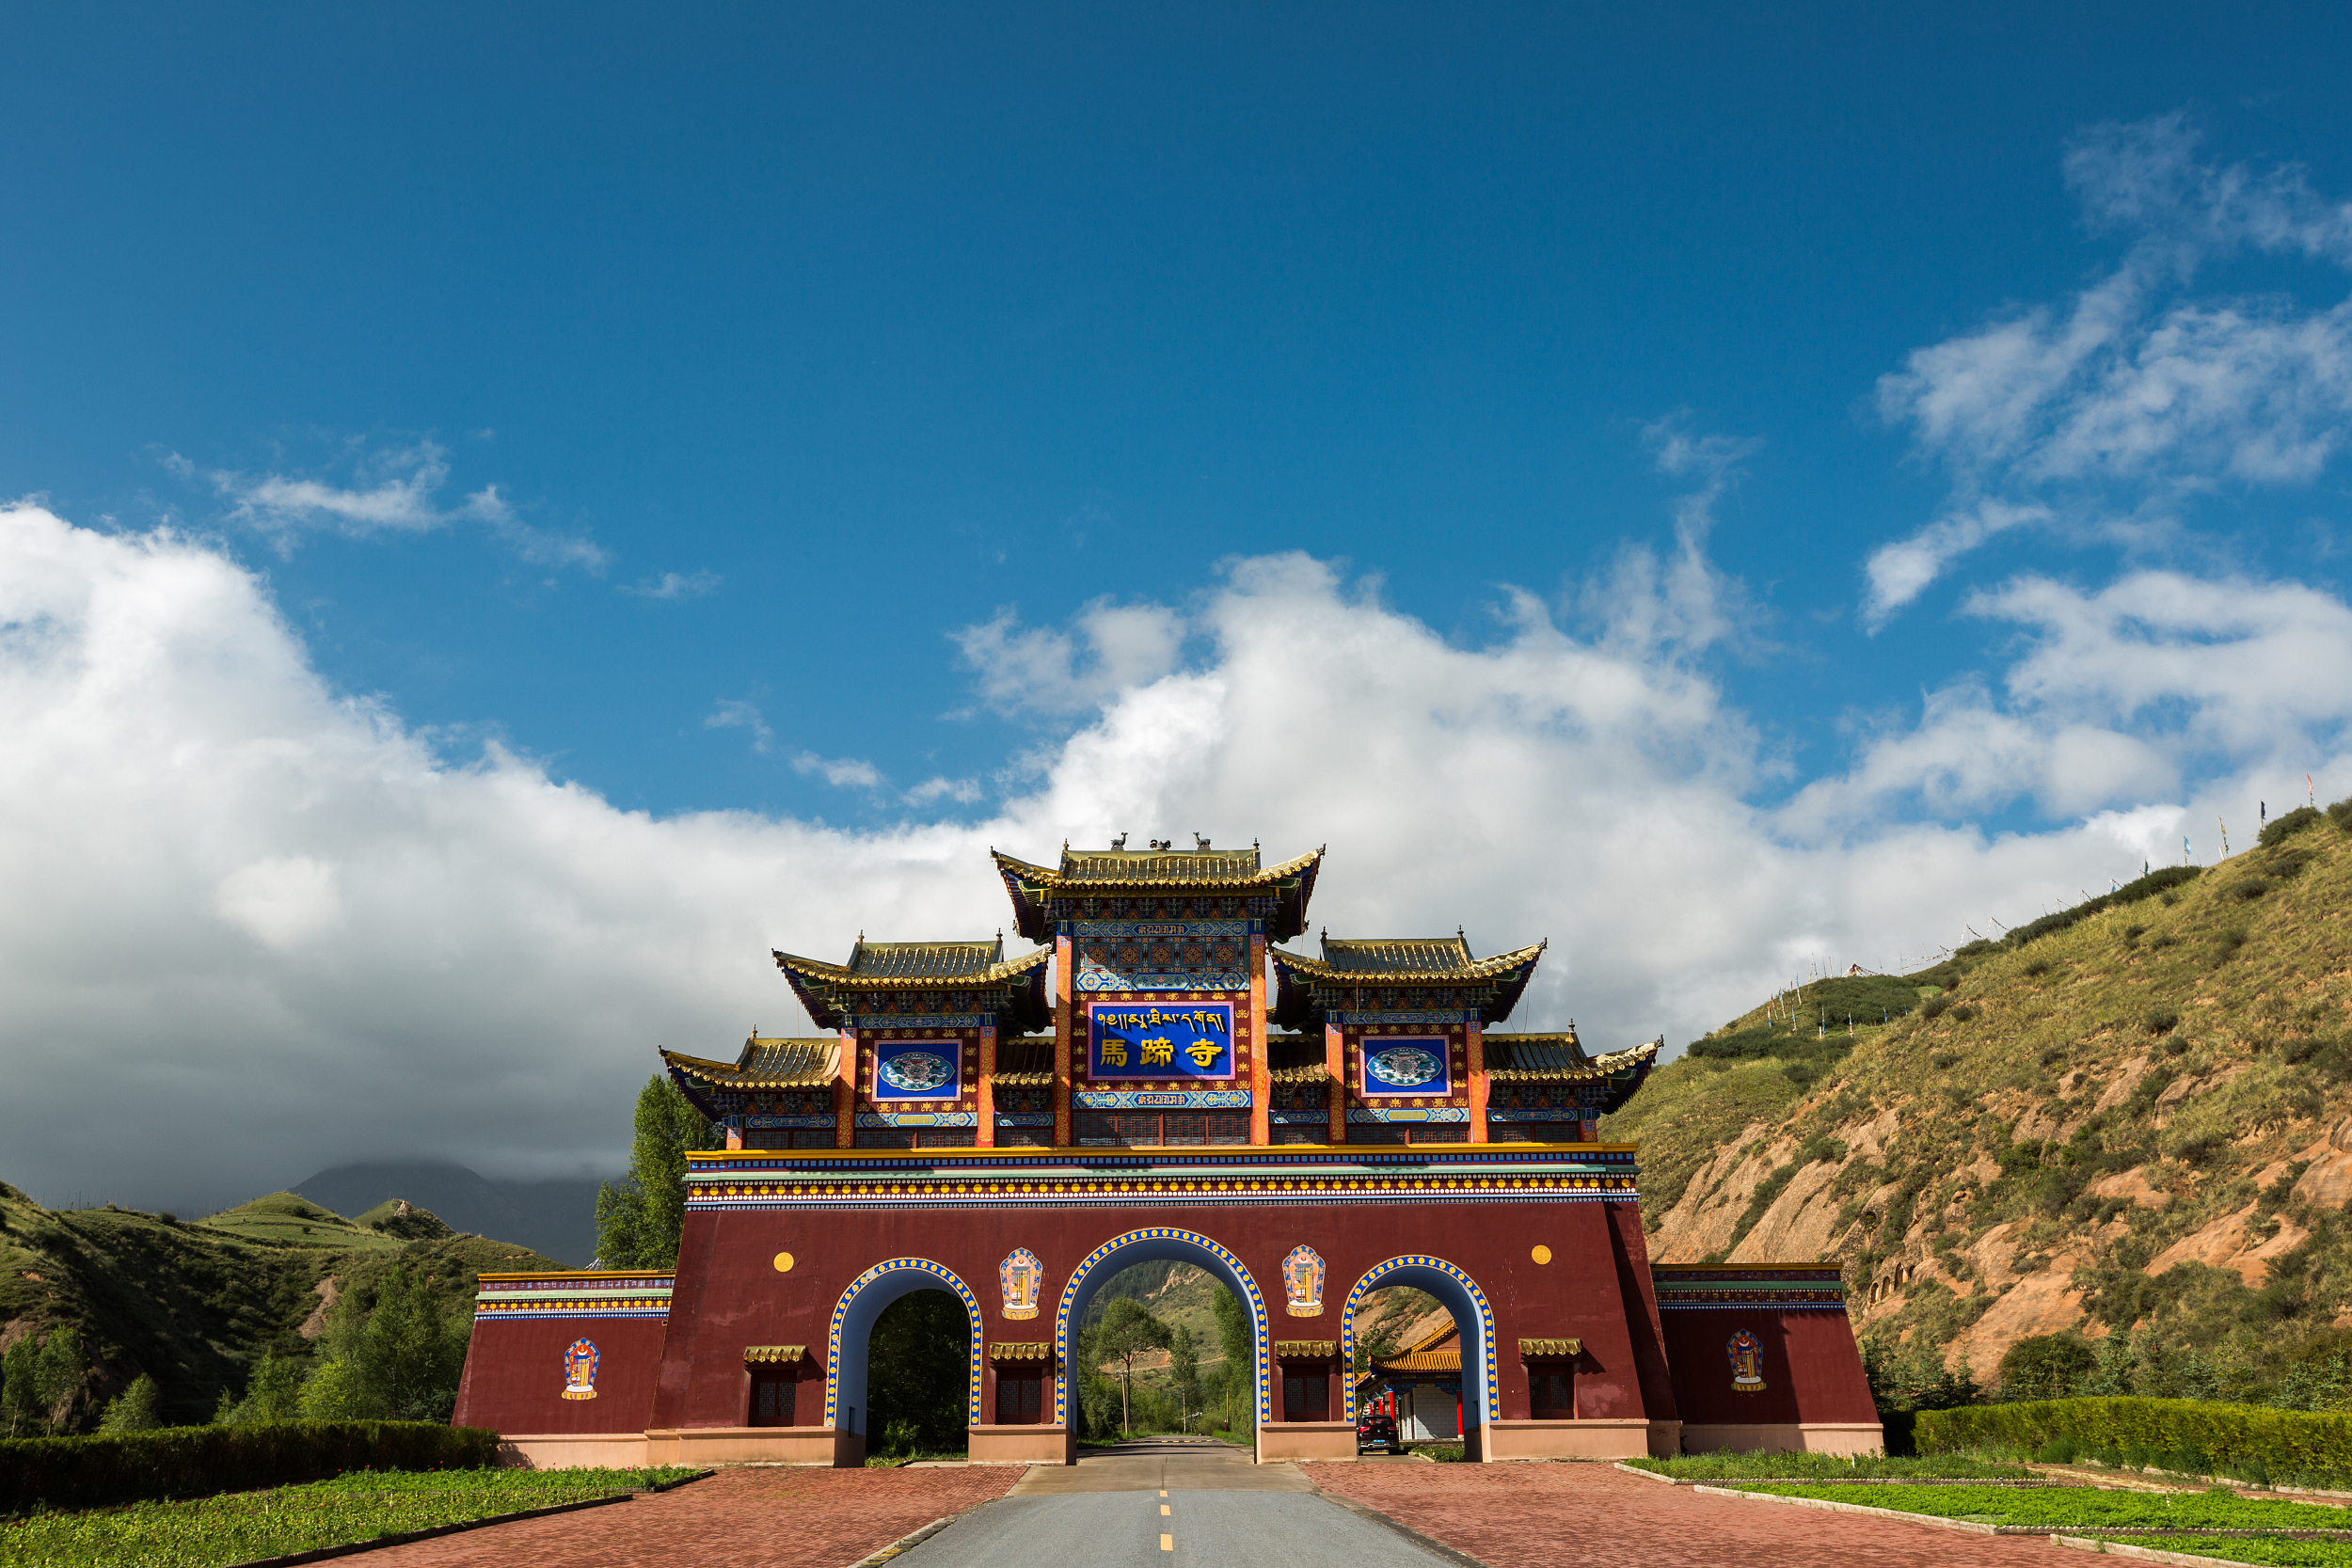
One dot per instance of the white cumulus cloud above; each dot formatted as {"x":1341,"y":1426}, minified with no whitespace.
{"x":277,"y":931}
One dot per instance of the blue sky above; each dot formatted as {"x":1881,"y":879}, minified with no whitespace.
{"x":866,"y":421}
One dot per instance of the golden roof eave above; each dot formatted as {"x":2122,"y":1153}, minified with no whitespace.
{"x":1478,"y":969}
{"x":1311,"y":1072}
{"x":1047,"y":878}
{"x":1597,"y":1068}
{"x":1021,"y":1349}
{"x":838,"y":975}
{"x":822,"y":1059}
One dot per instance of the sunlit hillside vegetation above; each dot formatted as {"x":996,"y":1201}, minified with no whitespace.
{"x":2137,"y":1114}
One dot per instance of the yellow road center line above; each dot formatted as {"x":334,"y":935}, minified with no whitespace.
{"x":1163,"y":1508}
{"x":1167,"y":1543}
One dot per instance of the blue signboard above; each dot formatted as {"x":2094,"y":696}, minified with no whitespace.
{"x":918,"y":1069}
{"x":1406,"y":1067}
{"x":1134,"y":1040}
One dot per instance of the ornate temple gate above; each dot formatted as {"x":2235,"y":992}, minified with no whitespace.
{"x":968,"y":1130}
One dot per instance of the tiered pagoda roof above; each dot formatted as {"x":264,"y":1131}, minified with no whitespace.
{"x":1088,"y":880}
{"x":910,"y":976}
{"x":765,"y":1063}
{"x":1559,"y":1060}
{"x":1305,"y":988}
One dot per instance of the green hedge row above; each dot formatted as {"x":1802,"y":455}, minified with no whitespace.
{"x":196,"y":1462}
{"x":2311,"y":1447}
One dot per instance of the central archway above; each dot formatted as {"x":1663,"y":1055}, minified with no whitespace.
{"x":1157,"y":1244}
{"x":1482,"y":1399}
{"x":852,"y":1328}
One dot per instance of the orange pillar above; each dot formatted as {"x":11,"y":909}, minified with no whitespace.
{"x":1335,"y":1065}
{"x":1261,"y":1071}
{"x":845,"y":1092}
{"x":1477,"y":1036}
{"x":1063,"y":1026}
{"x":987,"y":1096}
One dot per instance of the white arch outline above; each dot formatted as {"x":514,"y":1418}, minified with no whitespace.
{"x":1491,"y":1399}
{"x":1250,"y":1297}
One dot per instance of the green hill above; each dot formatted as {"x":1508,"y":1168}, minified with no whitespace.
{"x":2134,"y":1114}
{"x":193,"y":1303}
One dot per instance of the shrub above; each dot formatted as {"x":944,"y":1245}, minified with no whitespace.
{"x":2038,"y":968}
{"x":1963,"y":1014}
{"x":2289,"y":1445}
{"x":2133,"y":933}
{"x":2046,"y":1366}
{"x":2288,"y":826}
{"x":2340,"y":814}
{"x":134,"y":1409}
{"x":1936,"y":1005}
{"x":195,"y":1461}
{"x":2163,"y":1021}
{"x":2151,"y":885}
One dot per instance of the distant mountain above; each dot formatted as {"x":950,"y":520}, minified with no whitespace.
{"x":555,"y":1217}
{"x":191,"y":1303}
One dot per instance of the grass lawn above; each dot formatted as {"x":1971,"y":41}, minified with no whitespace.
{"x":1824,"y":1466}
{"x":2288,"y":1554}
{"x":2085,"y":1506}
{"x":208,"y":1533}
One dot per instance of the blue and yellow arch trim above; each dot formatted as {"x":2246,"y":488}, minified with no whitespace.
{"x":1250,"y":1295}
{"x":1478,"y":1304}
{"x":946,"y":1277}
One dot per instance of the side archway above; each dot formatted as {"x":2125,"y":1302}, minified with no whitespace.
{"x":852,"y":1327}
{"x":1157,"y":1244}
{"x":1460,"y":1295}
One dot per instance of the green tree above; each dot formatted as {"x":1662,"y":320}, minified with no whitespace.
{"x":1126,"y":1332}
{"x":639,"y":1217}
{"x":137,"y":1408}
{"x":1183,"y":1372}
{"x":918,"y":1363}
{"x":2047,"y":1366}
{"x":20,"y":1394}
{"x":1914,"y":1377}
{"x":397,"y":1360}
{"x":43,"y":1383}
{"x":273,"y":1392}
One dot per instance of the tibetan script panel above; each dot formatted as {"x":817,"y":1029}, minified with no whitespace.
{"x":1133,"y":1039}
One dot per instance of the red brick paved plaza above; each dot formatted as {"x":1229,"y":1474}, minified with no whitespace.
{"x":1545,"y":1515}
{"x":1569,"y":1515}
{"x":774,"y":1518}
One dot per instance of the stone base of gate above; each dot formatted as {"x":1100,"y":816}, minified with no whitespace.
{"x":755,"y":1446}
{"x":574,"y":1450}
{"x":1840,"y":1437}
{"x":1635,"y":1438}
{"x":1020,"y":1445}
{"x":1326,"y":1440}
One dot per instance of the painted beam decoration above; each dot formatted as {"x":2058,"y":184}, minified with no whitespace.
{"x":1405,"y":1065}
{"x":1138,"y":1041}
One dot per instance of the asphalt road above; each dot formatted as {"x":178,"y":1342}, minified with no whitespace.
{"x":1148,"y":1508}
